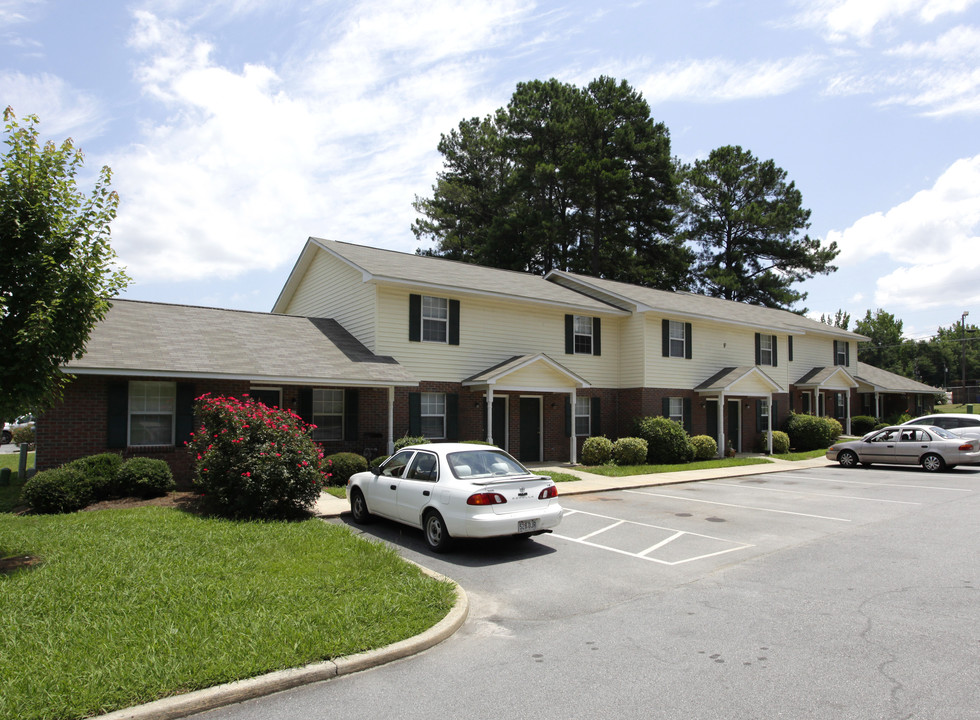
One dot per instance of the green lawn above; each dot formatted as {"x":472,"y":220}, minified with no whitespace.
{"x":558,"y":477}
{"x":127,"y":606}
{"x":809,"y":454}
{"x":626,"y":470}
{"x":10,"y":494}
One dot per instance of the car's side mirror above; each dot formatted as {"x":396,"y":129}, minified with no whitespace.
{"x":375,"y":470}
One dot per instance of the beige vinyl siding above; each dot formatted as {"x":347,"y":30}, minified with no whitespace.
{"x":633,"y":354}
{"x":331,"y":288}
{"x":810,"y":351}
{"x":538,"y":376}
{"x":491,"y":331}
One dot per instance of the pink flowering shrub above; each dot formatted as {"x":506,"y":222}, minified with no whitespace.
{"x":254,"y":461}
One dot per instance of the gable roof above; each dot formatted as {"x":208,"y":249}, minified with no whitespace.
{"x":162,"y":340}
{"x":441,"y":275}
{"x":885,"y":381}
{"x":694,"y":306}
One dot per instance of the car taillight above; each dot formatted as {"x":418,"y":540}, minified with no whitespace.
{"x":967,"y":447}
{"x":548,"y":492}
{"x":486,"y":498}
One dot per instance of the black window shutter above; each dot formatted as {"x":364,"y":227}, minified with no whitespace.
{"x":688,"y":340}
{"x":665,"y":408}
{"x":184,"y":422}
{"x":665,"y":337}
{"x":568,"y":416}
{"x":415,"y":318}
{"x":569,"y":334}
{"x":118,"y":412}
{"x":305,"y":409}
{"x":847,"y":352}
{"x":835,"y":352}
{"x":453,"y":322}
{"x":774,"y":414}
{"x":596,"y":337}
{"x":352,"y":402}
{"x":414,"y":414}
{"x":758,"y":349}
{"x":775,"y":362}
{"x":758,"y":416}
{"x":596,"y":427}
{"x":789,"y":349}
{"x":452,"y":416}
{"x":687,"y":415}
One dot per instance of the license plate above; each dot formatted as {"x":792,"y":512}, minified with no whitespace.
{"x":527,"y":525}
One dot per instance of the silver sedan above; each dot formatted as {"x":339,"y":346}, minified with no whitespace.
{"x":934,"y":448}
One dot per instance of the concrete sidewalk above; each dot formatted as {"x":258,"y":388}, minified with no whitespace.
{"x":330,"y":506}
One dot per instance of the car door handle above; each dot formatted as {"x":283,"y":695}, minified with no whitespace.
{"x":394,"y":487}
{"x":425,"y":493}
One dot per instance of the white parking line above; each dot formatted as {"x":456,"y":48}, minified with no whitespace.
{"x":874,"y":484}
{"x":815,"y":494}
{"x":644,"y":555}
{"x":743,"y":507}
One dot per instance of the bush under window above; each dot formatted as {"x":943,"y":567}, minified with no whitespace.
{"x":596,"y":450}
{"x":629,"y":451}
{"x":667,"y":442}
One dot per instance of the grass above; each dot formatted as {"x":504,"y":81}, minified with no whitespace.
{"x":627,"y":470}
{"x":339,"y":492}
{"x":558,"y":477}
{"x":127,"y":606}
{"x":10,"y":494}
{"x":807,"y":455}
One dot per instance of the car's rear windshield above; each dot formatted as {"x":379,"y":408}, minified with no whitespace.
{"x":483,"y":464}
{"x":941,"y":432}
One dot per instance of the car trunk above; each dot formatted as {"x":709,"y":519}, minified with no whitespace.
{"x":521,"y":493}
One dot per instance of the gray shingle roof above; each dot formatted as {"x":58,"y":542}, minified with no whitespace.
{"x":890,"y":382}
{"x":692,"y":305}
{"x":460,"y":276}
{"x":180,"y":340}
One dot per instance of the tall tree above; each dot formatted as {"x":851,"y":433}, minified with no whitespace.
{"x":571,"y":178}
{"x":885,"y":348}
{"x":58,"y":268}
{"x":745,"y":220}
{"x":840,"y":319}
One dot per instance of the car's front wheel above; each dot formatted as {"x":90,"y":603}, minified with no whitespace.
{"x":847,"y":458}
{"x":7,"y":437}
{"x":933,"y":463}
{"x":436,"y":534}
{"x":358,"y":507}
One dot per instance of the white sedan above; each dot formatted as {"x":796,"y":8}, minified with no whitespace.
{"x":452,"y":490}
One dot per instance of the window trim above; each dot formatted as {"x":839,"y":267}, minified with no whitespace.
{"x":671,"y":414}
{"x":763,"y":351}
{"x":428,"y":321}
{"x":317,"y":435}
{"x":131,"y":394}
{"x":671,"y":338}
{"x":576,"y":334}
{"x":586,"y":402}
{"x":444,"y":415}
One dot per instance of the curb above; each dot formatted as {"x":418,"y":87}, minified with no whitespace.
{"x":198,"y":701}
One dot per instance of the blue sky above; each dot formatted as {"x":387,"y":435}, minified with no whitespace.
{"x":235,"y":129}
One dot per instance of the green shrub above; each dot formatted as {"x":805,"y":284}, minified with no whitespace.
{"x":254,"y":461}
{"x":23,"y":435}
{"x":629,"y":451}
{"x":378,"y":460}
{"x":102,"y":471}
{"x":704,"y":447}
{"x":809,"y":432}
{"x":863,"y":424}
{"x":343,"y":465}
{"x":408,"y":440}
{"x":780,"y":442}
{"x":477,"y":442}
{"x":60,"y":490}
{"x":880,"y":426}
{"x":145,"y":478}
{"x":596,"y":450}
{"x":667,"y":443}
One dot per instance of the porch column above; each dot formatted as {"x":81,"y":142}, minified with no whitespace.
{"x":847,"y":405}
{"x":877,"y":405}
{"x":391,"y":420}
{"x":573,"y":445}
{"x":721,"y":425}
{"x":490,"y":414}
{"x":769,"y":425}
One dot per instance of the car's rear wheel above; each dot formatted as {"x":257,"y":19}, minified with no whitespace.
{"x":7,"y":437}
{"x":436,"y":534}
{"x":358,"y":507}
{"x":933,"y":463}
{"x":847,"y":458}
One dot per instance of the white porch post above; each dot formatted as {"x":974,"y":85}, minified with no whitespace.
{"x":490,"y":414}
{"x":877,"y":405}
{"x":769,"y":425}
{"x":721,"y":424}
{"x":847,"y":405}
{"x":573,"y":445}
{"x":391,"y":420}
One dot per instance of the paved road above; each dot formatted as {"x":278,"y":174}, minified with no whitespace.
{"x":821,"y":593}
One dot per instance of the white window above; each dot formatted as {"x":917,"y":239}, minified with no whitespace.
{"x":676,"y":409}
{"x":433,"y":412}
{"x":840,"y":348}
{"x":328,"y":414}
{"x":677,"y":339}
{"x":583,"y":335}
{"x":765,"y":349}
{"x":151,"y":412}
{"x":764,"y":412}
{"x":583,"y":416}
{"x":435,"y":319}
{"x":839,"y":405}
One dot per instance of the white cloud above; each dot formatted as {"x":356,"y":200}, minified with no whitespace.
{"x":962,"y":42}
{"x":63,"y":111}
{"x":715,"y":80}
{"x":933,"y":236}
{"x":859,"y":19}
{"x":334,"y":142}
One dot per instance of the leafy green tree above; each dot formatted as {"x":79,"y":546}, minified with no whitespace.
{"x":564,"y":177}
{"x":58,"y":268}
{"x":840,"y":319}
{"x":745,"y":220}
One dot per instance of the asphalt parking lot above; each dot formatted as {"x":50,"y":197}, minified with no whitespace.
{"x":819,"y":593}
